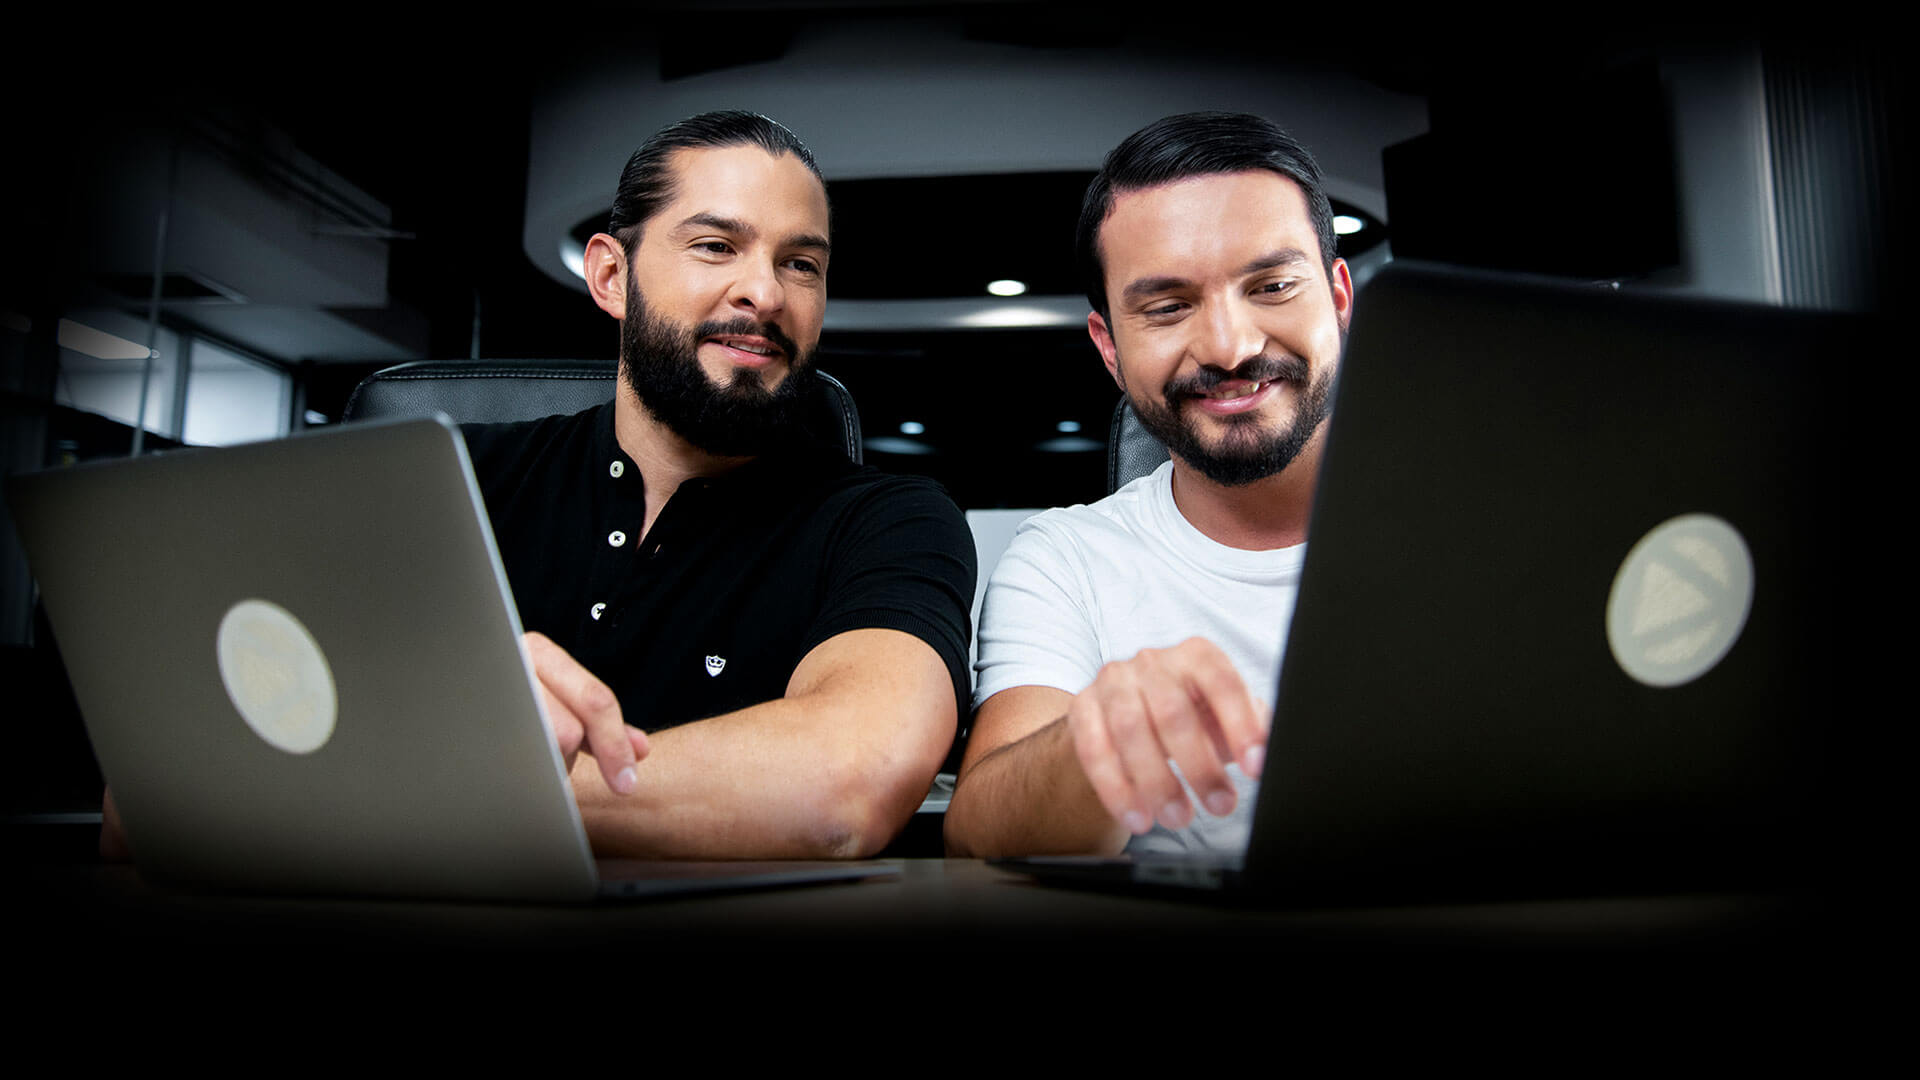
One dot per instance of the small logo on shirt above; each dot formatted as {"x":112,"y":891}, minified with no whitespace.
{"x":716,"y":664}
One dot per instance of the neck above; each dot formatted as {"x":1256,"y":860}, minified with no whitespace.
{"x":1261,"y":516}
{"x":664,"y":458}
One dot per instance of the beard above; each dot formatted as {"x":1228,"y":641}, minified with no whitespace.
{"x":1246,"y":451}
{"x":660,"y":361}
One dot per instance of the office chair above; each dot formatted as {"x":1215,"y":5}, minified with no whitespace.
{"x":1131,"y":452}
{"x":493,"y":391}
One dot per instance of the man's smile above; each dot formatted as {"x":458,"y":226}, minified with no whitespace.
{"x":1234,"y":396}
{"x":747,"y":350}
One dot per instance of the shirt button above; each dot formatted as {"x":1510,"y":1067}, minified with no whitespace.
{"x":614,"y":470}
{"x":616,"y":538}
{"x":597,"y":609}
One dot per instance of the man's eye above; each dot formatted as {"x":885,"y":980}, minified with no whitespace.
{"x":717,"y":247}
{"x":805,"y":266}
{"x":1164,"y":310}
{"x":1275,"y":288}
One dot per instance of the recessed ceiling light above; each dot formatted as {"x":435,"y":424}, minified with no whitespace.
{"x":891,"y":444}
{"x":1027,"y":313}
{"x":1347,"y":224}
{"x":1067,"y":427}
{"x":1006,"y":287}
{"x":574,"y":255}
{"x":913,"y":427}
{"x":1070,"y":444}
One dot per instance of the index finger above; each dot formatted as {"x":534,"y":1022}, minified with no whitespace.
{"x":614,"y":745}
{"x":1215,"y":683}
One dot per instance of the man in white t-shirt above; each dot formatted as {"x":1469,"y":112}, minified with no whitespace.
{"x":1127,"y":646}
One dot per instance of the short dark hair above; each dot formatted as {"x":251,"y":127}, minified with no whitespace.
{"x":647,"y":184}
{"x":1195,"y":144}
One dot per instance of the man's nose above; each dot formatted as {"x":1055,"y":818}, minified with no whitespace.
{"x":758,"y":289}
{"x":1228,"y":335}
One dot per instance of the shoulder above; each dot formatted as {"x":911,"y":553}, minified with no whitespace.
{"x":855,"y":511}
{"x":1123,"y":518}
{"x":864,"y":493}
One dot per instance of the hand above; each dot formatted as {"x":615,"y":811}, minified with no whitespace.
{"x":1186,"y":704}
{"x":585,"y":715}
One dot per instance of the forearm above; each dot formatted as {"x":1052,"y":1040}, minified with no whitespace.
{"x":1030,"y":797}
{"x":764,"y":782}
{"x":832,"y":770}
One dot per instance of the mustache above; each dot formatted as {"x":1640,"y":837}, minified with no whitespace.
{"x":744,"y":327}
{"x":1263,"y":368}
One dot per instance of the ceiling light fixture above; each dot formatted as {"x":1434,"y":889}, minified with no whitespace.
{"x":1006,"y":287}
{"x":574,"y":255}
{"x":98,"y":344}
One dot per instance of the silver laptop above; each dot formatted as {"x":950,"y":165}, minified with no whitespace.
{"x":300,"y":667}
{"x":1571,"y":618}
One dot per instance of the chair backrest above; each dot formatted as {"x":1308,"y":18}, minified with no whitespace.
{"x":1131,"y":452}
{"x":496,"y":391}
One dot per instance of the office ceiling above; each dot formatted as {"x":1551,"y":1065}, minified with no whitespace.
{"x":372,"y":189}
{"x":357,"y":192}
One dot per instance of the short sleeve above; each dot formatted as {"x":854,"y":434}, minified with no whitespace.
{"x":902,"y":559}
{"x":1036,"y":628}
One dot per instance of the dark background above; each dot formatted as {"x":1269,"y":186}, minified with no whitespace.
{"x":430,"y":116}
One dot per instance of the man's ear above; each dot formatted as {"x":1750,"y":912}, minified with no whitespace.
{"x":1103,"y":341}
{"x":605,"y":266}
{"x":1341,"y":284}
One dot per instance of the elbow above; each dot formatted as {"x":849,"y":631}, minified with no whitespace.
{"x":960,"y":829}
{"x":853,"y":825}
{"x":847,"y":836}
{"x":865,"y":807}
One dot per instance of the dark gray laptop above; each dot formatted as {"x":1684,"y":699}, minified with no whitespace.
{"x":299,"y":665}
{"x":1570,"y":617}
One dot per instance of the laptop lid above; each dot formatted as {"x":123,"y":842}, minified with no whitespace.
{"x":299,"y":665}
{"x":1566,"y":621}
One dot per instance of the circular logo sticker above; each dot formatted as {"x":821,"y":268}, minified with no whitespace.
{"x":276,"y":676}
{"x":1679,"y":600}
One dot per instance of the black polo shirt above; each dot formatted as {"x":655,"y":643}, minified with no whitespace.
{"x":740,"y":577}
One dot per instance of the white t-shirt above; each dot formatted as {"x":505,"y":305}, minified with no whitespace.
{"x":1084,"y":585}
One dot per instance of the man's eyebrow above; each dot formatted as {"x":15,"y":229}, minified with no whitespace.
{"x":1273,"y":260}
{"x":721,"y":224}
{"x":1148,"y":286}
{"x":736,"y":227}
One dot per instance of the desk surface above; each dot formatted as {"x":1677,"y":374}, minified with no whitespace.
{"x":957,"y":907}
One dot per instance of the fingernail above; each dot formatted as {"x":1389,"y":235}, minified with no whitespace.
{"x":1220,"y":803}
{"x":626,"y":781}
{"x":1253,"y":760}
{"x":1174,"y":814}
{"x":1135,"y":821}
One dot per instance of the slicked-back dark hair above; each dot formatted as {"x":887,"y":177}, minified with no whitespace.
{"x":647,"y":183}
{"x":1189,"y":145}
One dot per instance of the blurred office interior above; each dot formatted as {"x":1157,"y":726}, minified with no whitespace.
{"x":213,"y":237}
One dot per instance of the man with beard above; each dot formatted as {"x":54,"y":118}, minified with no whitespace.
{"x":788,"y":629}
{"x":1122,"y":644}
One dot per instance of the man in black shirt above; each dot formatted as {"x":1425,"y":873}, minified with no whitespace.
{"x":790,"y":630}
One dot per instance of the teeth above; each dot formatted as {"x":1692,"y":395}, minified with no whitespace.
{"x":1245,"y":391}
